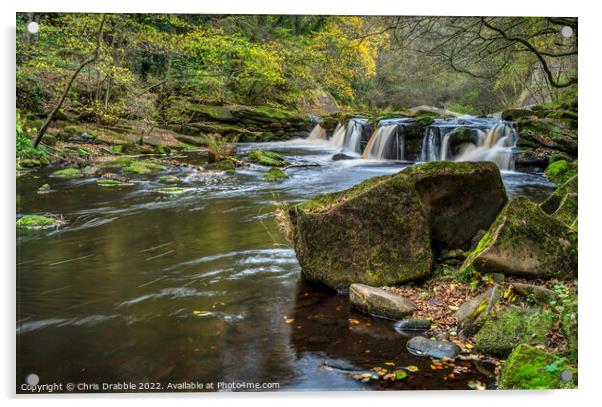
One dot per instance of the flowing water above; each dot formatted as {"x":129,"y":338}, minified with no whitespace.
{"x":200,"y":286}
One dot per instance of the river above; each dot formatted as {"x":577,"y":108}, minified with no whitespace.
{"x":144,"y":287}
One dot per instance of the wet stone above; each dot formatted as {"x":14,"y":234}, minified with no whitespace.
{"x":421,"y":346}
{"x":413,"y":324}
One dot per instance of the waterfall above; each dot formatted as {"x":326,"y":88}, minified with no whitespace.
{"x":495,"y":146}
{"x":430,"y":142}
{"x":381,"y":138}
{"x":338,"y":137}
{"x":353,"y":135}
{"x":317,"y":133}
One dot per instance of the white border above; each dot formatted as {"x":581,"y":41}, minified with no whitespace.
{"x":589,"y":143}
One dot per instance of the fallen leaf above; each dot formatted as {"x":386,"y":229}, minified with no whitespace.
{"x":412,"y":368}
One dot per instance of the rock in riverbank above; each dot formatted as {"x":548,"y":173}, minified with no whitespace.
{"x":531,"y":368}
{"x":510,"y":326}
{"x":526,"y":241}
{"x":379,"y":302}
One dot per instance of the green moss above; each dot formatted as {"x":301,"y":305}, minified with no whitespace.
{"x":35,"y":222}
{"x":117,"y":149}
{"x":143,"y":167}
{"x":71,"y":130}
{"x":268,"y":158}
{"x":223,"y":165}
{"x":561,"y":171}
{"x":169,"y":179}
{"x":44,"y":188}
{"x":274,"y":174}
{"x":509,"y":326}
{"x":170,"y":190}
{"x":67,"y":173}
{"x":424,"y":120}
{"x":109,"y":182}
{"x":531,"y":368}
{"x":274,"y":113}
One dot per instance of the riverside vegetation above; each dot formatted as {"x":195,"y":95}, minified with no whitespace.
{"x":473,"y":274}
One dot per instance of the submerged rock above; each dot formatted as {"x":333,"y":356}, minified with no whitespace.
{"x":67,"y":173}
{"x":413,"y":324}
{"x":504,"y":329}
{"x":111,"y":182}
{"x":529,"y":368}
{"x":267,"y":158}
{"x":382,"y":231}
{"x":526,"y":241}
{"x":143,"y":167}
{"x":275,"y":174}
{"x":379,"y":302}
{"x":169,"y":179}
{"x":341,"y":156}
{"x":37,"y":222}
{"x":472,"y":313}
{"x":44,"y":189}
{"x":421,"y":346}
{"x":170,"y":190}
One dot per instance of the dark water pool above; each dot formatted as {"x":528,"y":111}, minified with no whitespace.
{"x":143,"y":287}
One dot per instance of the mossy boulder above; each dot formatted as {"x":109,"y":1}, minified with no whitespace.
{"x":513,"y":114}
{"x":383,"y":230}
{"x":526,"y":241}
{"x":275,"y":174}
{"x":548,"y":133}
{"x":44,"y":189}
{"x":530,"y":368}
{"x":567,"y":211}
{"x":67,"y":173}
{"x":143,"y":167}
{"x":535,"y":293}
{"x":509,"y":326}
{"x":36,"y":222}
{"x":561,"y":171}
{"x":267,"y":158}
{"x":378,"y":302}
{"x":552,"y":203}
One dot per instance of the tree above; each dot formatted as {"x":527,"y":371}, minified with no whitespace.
{"x":87,"y":61}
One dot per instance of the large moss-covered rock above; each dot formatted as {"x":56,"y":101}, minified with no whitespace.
{"x":552,"y":203}
{"x":382,"y":231}
{"x":526,"y":241}
{"x":379,"y":302}
{"x":504,"y":329}
{"x":550,"y":133}
{"x":561,"y":171}
{"x":531,"y":368}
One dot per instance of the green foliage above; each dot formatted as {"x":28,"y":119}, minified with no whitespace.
{"x":218,"y":148}
{"x":27,"y":155}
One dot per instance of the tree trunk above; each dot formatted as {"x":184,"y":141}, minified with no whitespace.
{"x":93,"y":58}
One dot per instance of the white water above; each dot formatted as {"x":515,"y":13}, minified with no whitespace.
{"x":496,"y":146}
{"x":379,"y":140}
{"x":353,"y":136}
{"x":317,"y":133}
{"x":338,"y":138}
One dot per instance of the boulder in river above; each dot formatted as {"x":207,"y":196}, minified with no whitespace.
{"x":382,"y":231}
{"x":552,"y":203}
{"x":526,"y":241}
{"x":421,"y":346}
{"x":504,"y":329}
{"x":379,"y":302}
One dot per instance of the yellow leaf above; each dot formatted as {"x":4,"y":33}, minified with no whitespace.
{"x":199,"y":312}
{"x":390,"y":363}
{"x":412,"y":368}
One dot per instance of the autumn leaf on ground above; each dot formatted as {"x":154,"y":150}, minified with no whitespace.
{"x":412,"y":368}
